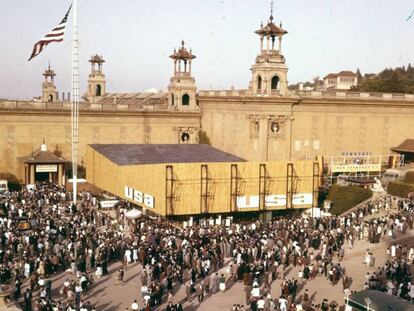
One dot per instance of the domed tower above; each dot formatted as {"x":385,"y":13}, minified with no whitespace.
{"x":49,"y":93}
{"x":269,"y":73}
{"x":182,"y":88}
{"x":96,"y":81}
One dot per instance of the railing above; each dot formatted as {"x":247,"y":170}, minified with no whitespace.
{"x":223,"y":93}
{"x":362,"y":95}
{"x":156,"y":104}
{"x":147,"y":105}
{"x":320,"y":94}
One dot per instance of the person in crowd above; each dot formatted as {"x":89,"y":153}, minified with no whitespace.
{"x":82,"y":241}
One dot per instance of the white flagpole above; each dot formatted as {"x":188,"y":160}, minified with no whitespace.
{"x":75,"y":99}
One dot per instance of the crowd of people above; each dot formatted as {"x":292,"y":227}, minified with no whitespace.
{"x":82,"y":242}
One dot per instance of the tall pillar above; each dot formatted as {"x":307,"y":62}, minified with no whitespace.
{"x":63,"y":175}
{"x":268,"y":44}
{"x":263,"y":139}
{"x":280,"y":45}
{"x":261,"y":44}
{"x":32,"y":173}
{"x":59,"y":174}
{"x":175,"y":67}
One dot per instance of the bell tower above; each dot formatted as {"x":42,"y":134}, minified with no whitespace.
{"x":182,"y":88}
{"x":269,"y":72}
{"x":49,"y":93}
{"x":96,"y":82}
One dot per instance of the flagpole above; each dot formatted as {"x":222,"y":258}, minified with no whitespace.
{"x":75,"y":99}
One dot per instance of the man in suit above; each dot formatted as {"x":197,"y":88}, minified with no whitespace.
{"x":28,"y":300}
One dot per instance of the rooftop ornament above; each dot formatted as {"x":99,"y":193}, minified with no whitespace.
{"x":182,"y":53}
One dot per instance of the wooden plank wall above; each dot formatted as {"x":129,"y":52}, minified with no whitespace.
{"x":151,"y":179}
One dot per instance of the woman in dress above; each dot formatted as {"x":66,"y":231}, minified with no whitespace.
{"x":135,"y":254}
{"x":99,"y":269}
{"x":26,"y":269}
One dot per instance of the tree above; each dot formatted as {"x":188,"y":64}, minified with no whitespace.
{"x":397,"y":80}
{"x":358,"y":73}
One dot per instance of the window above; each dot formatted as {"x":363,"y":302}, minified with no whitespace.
{"x":186,"y":100}
{"x":275,"y":82}
{"x":185,"y":137}
{"x":172,"y":99}
{"x":98,"y":90}
{"x":347,"y":80}
{"x":259,"y":82}
{"x":50,"y":98}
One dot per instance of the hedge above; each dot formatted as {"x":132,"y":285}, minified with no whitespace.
{"x":345,"y":198}
{"x":400,"y":189}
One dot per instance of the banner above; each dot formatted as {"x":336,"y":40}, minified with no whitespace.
{"x":354,"y":168}
{"x":46,"y":168}
{"x":302,"y":199}
{"x":108,"y":203}
{"x":274,"y":200}
{"x":248,"y":201}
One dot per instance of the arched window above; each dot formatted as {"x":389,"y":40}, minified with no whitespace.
{"x":259,"y":82}
{"x":98,"y":90}
{"x":186,"y":100}
{"x":50,"y":98}
{"x":172,"y":99}
{"x":275,"y":83}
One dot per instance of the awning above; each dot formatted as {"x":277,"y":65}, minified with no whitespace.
{"x":407,"y":146}
{"x":133,"y":214}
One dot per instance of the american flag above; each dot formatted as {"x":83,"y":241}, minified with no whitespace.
{"x":56,"y":35}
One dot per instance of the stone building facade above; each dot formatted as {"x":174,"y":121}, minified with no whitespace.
{"x":264,"y":122}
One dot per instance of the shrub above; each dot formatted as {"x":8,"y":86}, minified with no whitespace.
{"x":400,"y":189}
{"x":345,"y":198}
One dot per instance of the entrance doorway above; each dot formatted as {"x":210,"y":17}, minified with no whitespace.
{"x":41,"y":176}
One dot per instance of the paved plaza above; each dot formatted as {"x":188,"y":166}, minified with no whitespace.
{"x":107,"y":295}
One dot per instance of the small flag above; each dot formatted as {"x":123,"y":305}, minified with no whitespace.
{"x":56,"y":35}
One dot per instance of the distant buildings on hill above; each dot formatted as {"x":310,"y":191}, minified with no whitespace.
{"x":343,"y":80}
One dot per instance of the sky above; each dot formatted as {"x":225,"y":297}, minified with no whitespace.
{"x":135,"y":37}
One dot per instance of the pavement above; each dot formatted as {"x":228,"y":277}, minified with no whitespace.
{"x":107,"y":295}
